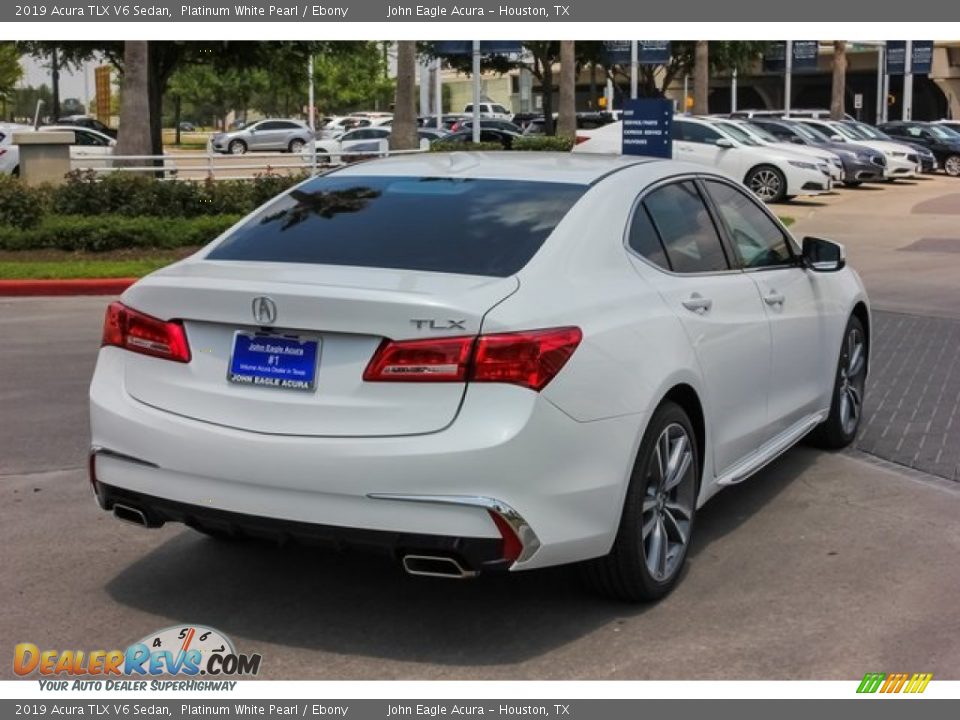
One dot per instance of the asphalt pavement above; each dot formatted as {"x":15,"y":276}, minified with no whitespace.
{"x":823,"y":566}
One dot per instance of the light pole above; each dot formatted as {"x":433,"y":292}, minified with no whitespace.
{"x":788,"y":76}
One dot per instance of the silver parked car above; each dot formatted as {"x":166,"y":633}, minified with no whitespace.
{"x":270,"y":134}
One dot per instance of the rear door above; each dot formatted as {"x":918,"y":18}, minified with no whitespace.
{"x":698,"y":143}
{"x":674,"y":229}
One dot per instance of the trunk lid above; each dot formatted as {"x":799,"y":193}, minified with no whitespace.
{"x":349,"y":310}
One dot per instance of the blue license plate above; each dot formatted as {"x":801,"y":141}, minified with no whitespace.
{"x":278,"y":361}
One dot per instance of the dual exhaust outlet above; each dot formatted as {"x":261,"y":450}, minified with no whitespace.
{"x":440,"y":566}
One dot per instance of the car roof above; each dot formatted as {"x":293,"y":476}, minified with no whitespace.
{"x":581,"y":169}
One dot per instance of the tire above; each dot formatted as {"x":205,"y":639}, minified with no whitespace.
{"x":767,"y":183}
{"x":846,"y":405}
{"x":634,"y":570}
{"x":951,"y":166}
{"x":852,"y":183}
{"x":237,"y":147}
{"x":16,"y":171}
{"x":296,"y":145}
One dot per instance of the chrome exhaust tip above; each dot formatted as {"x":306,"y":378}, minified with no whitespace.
{"x":436,"y":566}
{"x":130,"y":514}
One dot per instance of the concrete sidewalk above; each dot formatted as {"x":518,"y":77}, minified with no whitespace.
{"x":824,"y":566}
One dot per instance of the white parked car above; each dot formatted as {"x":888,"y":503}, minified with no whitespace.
{"x":91,"y":149}
{"x":772,"y":174}
{"x":360,"y":144}
{"x":489,"y":111}
{"x":480,"y":362}
{"x":744,"y":132}
{"x":902,"y":160}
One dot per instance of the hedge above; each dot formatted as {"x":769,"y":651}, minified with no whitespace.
{"x":112,"y":232}
{"x":84,"y":193}
{"x":441,"y":146}
{"x":543,"y":142}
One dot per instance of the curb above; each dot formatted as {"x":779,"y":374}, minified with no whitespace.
{"x":58,"y":288}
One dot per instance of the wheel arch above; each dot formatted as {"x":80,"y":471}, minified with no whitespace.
{"x":688,"y":399}
{"x":863,"y":315}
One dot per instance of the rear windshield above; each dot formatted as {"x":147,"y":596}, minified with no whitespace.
{"x":451,"y":225}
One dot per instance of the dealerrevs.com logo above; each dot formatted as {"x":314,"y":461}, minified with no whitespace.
{"x":180,"y":651}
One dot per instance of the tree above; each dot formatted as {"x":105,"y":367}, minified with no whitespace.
{"x":134,"y":137}
{"x":403,"y":135}
{"x":701,"y":78}
{"x":567,"y":118}
{"x":10,"y":74}
{"x":838,"y":90}
{"x":286,"y":60}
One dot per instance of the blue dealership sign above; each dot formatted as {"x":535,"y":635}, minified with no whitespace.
{"x":487,"y":47}
{"x":921,"y":52}
{"x":649,"y":52}
{"x":647,"y":124}
{"x":616,"y":52}
{"x":804,"y":56}
{"x":654,"y":52}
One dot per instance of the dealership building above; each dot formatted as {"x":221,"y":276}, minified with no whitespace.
{"x":936,"y":95}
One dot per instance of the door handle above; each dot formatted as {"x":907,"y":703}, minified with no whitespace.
{"x":774,"y":298}
{"x":697,"y":303}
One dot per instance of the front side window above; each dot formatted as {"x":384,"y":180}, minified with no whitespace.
{"x":694,"y":132}
{"x":473,"y":227}
{"x":689,"y":237}
{"x":759,"y":240}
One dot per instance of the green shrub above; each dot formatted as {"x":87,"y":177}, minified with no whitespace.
{"x":22,"y":206}
{"x":86,"y":193}
{"x":543,"y":142}
{"x":113,"y":232}
{"x":441,"y":146}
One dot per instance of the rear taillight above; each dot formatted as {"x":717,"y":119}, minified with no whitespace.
{"x":131,"y":330}
{"x":530,"y":359}
{"x":580,"y":139}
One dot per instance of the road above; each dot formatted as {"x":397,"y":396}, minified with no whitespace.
{"x":824,"y":566}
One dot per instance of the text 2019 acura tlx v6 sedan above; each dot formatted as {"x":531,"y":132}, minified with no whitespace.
{"x":480,"y":362}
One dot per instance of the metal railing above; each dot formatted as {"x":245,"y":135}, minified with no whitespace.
{"x":220,"y":166}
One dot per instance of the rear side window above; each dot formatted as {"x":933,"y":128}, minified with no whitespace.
{"x":645,"y":241}
{"x":451,"y":225}
{"x":686,"y":229}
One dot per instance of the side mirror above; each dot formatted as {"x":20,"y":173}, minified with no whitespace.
{"x":725,"y":143}
{"x":795,"y":140}
{"x":822,"y":255}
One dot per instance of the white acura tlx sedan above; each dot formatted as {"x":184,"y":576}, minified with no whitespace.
{"x":480,"y":362}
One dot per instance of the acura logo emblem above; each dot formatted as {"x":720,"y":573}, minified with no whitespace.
{"x":264,"y":311}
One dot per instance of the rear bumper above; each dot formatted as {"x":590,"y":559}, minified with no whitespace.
{"x":565,"y":479}
{"x":474,"y":554}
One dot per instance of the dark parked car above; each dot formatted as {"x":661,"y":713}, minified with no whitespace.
{"x":943,"y":142}
{"x":88,"y":122}
{"x":486,"y":136}
{"x":187,"y":126}
{"x":928,"y":162}
{"x":860,"y":163}
{"x":505,"y":125}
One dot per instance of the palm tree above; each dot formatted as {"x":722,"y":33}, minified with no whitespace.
{"x":134,"y":135}
{"x":567,"y":118}
{"x":701,"y":78}
{"x":839,"y":90}
{"x":403,"y":135}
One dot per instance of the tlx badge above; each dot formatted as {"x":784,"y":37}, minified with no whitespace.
{"x":439,"y":324}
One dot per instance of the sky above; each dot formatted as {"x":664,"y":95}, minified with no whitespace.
{"x":36,"y":72}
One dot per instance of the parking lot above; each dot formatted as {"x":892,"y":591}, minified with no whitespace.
{"x":823,"y":566}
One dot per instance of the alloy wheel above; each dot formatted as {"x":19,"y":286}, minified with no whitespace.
{"x":853,"y":368}
{"x":237,"y":148}
{"x":668,"y":503}
{"x":766,"y":184}
{"x":296,"y":146}
{"x":952,"y":165}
